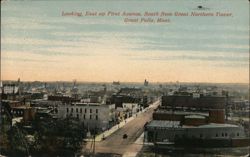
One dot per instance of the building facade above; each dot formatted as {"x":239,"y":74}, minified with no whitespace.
{"x":95,"y":116}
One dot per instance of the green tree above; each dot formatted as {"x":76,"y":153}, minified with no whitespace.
{"x":18,"y":142}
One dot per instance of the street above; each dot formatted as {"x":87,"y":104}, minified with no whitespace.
{"x":116,"y":144}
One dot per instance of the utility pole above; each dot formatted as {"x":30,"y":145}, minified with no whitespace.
{"x":94,"y":142}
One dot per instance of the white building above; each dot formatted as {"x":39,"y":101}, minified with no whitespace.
{"x":10,"y":89}
{"x":93,"y":115}
{"x":129,"y":109}
{"x":134,"y":107}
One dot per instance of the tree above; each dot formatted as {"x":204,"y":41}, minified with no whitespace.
{"x":57,"y":136}
{"x":18,"y":142}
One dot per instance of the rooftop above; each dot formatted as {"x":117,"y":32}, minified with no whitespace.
{"x":87,"y":104}
{"x":163,"y":123}
{"x":183,"y":112}
{"x":195,"y":116}
{"x":176,"y":124}
{"x":214,"y":125}
{"x":91,"y":104}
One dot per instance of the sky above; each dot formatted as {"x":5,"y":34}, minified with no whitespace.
{"x":38,"y":43}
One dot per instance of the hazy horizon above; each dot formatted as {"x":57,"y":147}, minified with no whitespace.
{"x":142,"y":82}
{"x":38,"y":43}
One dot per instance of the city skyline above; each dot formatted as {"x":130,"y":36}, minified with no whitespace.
{"x":38,"y":43}
{"x":123,"y":83}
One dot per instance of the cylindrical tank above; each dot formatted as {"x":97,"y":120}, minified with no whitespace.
{"x":217,"y":116}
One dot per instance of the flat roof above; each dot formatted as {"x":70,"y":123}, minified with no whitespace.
{"x":163,"y":123}
{"x":129,"y":103}
{"x":91,"y":104}
{"x":176,"y":124}
{"x":214,"y":125}
{"x":21,"y":107}
{"x":195,"y":116}
{"x":87,"y":104}
{"x":183,"y":112}
{"x":11,"y":101}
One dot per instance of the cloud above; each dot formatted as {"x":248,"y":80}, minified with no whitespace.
{"x":37,"y":42}
{"x":22,"y":23}
{"x":18,"y":59}
{"x":227,"y":59}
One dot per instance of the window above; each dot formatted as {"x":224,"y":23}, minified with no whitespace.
{"x":238,"y":134}
{"x":201,"y":135}
{"x":85,"y":110}
{"x":96,"y":117}
{"x":222,"y":134}
{"x":56,"y":111}
{"x":80,"y":110}
{"x":216,"y":135}
{"x":77,"y":110}
{"x":77,"y":116}
{"x":90,"y":111}
{"x":71,"y":109}
{"x":90,"y":117}
{"x":67,"y":110}
{"x":225,"y":134}
{"x":96,"y":110}
{"x":84,"y":117}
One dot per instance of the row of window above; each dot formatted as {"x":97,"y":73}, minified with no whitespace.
{"x":90,"y":117}
{"x":225,"y":134}
{"x":14,"y":111}
{"x":80,"y":110}
{"x":217,"y":135}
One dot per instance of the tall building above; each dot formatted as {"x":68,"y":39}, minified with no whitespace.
{"x":146,"y":82}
